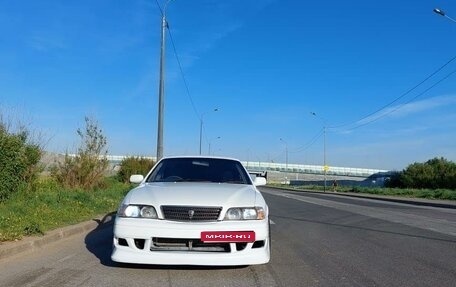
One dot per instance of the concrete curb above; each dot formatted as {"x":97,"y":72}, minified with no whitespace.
{"x":8,"y":249}
{"x":413,"y":201}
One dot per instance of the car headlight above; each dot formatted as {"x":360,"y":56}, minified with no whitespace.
{"x":137,"y":211}
{"x":245,"y":213}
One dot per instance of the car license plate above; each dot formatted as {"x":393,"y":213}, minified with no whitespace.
{"x":228,"y":236}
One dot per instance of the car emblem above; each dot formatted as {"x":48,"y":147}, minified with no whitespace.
{"x":191,"y":212}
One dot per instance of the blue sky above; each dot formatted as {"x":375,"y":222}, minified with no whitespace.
{"x":265,"y":64}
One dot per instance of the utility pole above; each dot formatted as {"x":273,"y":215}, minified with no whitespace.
{"x":324,"y":154}
{"x":286,"y":159}
{"x":161,"y":85}
{"x":325,"y":167}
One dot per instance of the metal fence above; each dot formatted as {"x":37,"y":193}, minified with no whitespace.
{"x":314,"y":169}
{"x":292,"y":168}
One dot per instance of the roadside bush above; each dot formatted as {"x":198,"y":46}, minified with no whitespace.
{"x":87,"y":168}
{"x":134,"y":165}
{"x":19,"y":161}
{"x":435,"y":173}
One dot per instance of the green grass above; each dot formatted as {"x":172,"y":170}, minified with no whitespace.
{"x":49,"y":207}
{"x":442,"y":194}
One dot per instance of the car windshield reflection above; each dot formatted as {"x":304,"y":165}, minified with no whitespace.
{"x":199,"y":170}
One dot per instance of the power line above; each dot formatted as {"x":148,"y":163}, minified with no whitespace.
{"x":309,"y":143}
{"x":319,"y":134}
{"x":159,"y":7}
{"x":398,"y":98}
{"x":183,"y":77}
{"x":180,"y":65}
{"x":274,"y":158}
{"x":407,"y":102}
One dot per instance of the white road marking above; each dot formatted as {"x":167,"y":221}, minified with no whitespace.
{"x":66,"y":258}
{"x":414,"y":220}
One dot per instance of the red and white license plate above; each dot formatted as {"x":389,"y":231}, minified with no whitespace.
{"x":228,"y":236}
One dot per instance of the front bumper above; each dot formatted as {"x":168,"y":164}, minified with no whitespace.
{"x":135,"y":241}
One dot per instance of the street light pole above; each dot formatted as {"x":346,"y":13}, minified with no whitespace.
{"x":442,"y":13}
{"x":324,"y":154}
{"x":161,"y":86}
{"x":210,"y":144}
{"x":325,"y":168}
{"x":286,"y":158}
{"x":201,"y":130}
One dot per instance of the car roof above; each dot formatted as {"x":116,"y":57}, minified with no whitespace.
{"x":200,"y":156}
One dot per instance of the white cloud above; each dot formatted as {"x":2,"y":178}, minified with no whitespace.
{"x":421,"y":106}
{"x":408,"y":109}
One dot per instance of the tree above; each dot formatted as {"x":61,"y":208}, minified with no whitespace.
{"x":87,"y":168}
{"x":134,"y":165}
{"x":434,"y":173}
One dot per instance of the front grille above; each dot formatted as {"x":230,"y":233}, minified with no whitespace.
{"x":191,"y":213}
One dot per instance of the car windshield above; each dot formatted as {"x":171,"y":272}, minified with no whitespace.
{"x":199,"y":170}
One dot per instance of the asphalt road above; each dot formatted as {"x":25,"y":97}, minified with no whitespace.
{"x":318,"y":240}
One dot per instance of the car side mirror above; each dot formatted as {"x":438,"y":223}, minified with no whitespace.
{"x":259,"y":181}
{"x":136,"y":178}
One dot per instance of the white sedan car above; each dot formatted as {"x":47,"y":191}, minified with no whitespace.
{"x":193,"y":211}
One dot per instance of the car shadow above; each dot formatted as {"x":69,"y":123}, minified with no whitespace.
{"x":99,"y":240}
{"x":99,"y":243}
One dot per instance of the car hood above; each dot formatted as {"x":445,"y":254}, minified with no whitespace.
{"x":193,"y":194}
